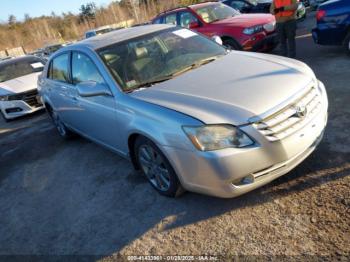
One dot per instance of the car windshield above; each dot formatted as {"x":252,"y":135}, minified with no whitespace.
{"x":157,"y":57}
{"x":215,"y":12}
{"x":14,"y":69}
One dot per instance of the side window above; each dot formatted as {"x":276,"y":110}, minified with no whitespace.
{"x":186,"y":18}
{"x":171,"y":19}
{"x":158,"y":21}
{"x":83,"y":69}
{"x":59,"y":68}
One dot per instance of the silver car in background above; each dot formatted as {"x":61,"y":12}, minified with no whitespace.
{"x":187,"y":112}
{"x":18,"y":86}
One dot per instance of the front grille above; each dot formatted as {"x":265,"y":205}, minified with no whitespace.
{"x":291,"y":118}
{"x":29,"y":97}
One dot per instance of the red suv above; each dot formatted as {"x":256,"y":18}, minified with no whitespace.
{"x":251,"y":32}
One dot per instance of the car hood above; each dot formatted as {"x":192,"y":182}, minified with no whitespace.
{"x":19,"y":85}
{"x":246,"y":20}
{"x":233,"y":88}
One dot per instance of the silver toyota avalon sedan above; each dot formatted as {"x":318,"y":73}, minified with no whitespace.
{"x":188,"y":113}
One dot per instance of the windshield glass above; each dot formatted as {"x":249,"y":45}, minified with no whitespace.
{"x":215,"y":12}
{"x":14,"y":69}
{"x":158,"y":56}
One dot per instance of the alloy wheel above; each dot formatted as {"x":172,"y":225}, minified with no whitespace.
{"x":59,"y":125}
{"x":154,"y":167}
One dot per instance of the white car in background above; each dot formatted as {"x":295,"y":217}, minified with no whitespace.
{"x":18,"y":86}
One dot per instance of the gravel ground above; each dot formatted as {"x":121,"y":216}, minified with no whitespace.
{"x":76,"y":198}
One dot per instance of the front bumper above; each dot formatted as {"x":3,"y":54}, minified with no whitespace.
{"x":233,"y":172}
{"x":17,"y":108}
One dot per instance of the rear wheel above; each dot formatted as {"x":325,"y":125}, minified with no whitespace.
{"x":156,"y":168}
{"x":60,"y":126}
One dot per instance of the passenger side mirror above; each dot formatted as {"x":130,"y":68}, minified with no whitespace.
{"x":91,"y":88}
{"x":194,"y":25}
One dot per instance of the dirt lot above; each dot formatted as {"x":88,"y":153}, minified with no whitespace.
{"x":77,"y":198}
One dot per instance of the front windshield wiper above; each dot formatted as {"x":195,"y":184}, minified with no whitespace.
{"x":195,"y":65}
{"x":170,"y":76}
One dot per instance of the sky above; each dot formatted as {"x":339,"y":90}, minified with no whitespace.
{"x":37,"y":8}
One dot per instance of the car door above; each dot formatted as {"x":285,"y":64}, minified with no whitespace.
{"x":59,"y":87}
{"x":96,"y":117}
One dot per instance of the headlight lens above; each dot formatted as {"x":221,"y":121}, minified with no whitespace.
{"x":4,"y":98}
{"x":253,"y":30}
{"x":215,"y":137}
{"x":270,"y":27}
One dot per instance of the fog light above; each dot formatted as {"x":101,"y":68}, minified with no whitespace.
{"x":13,"y":110}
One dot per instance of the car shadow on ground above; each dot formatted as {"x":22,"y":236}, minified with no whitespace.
{"x":53,"y":204}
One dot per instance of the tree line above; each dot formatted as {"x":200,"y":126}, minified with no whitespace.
{"x":36,"y":32}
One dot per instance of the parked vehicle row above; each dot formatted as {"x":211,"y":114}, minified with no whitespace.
{"x":259,"y":6}
{"x":189,"y":113}
{"x":100,"y":31}
{"x":250,"y":32}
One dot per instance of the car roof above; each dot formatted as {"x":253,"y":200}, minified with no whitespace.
{"x":19,"y":59}
{"x":118,"y":36}
{"x":196,"y":6}
{"x":182,"y":8}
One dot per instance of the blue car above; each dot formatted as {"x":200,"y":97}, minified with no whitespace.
{"x":333,"y":24}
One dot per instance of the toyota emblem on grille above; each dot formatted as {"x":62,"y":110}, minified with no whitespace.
{"x":300,"y":111}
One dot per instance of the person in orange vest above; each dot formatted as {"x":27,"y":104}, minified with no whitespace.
{"x":285,"y":13}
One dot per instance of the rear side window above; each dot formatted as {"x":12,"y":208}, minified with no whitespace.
{"x":58,"y":70}
{"x":84,"y":69}
{"x":170,"y":19}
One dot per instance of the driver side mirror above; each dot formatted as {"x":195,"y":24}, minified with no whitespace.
{"x":91,"y":88}
{"x":194,"y":25}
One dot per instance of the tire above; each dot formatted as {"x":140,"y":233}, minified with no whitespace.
{"x":5,"y":119}
{"x":63,"y":131}
{"x":232,"y":44}
{"x":156,"y":168}
{"x":347,"y":43}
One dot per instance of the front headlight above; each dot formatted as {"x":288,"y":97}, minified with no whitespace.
{"x":215,"y":137}
{"x":253,"y":30}
{"x":270,"y":27}
{"x":4,"y":98}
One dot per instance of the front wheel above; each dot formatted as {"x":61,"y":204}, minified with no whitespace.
{"x":231,"y":44}
{"x":4,"y":117}
{"x":156,"y":168}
